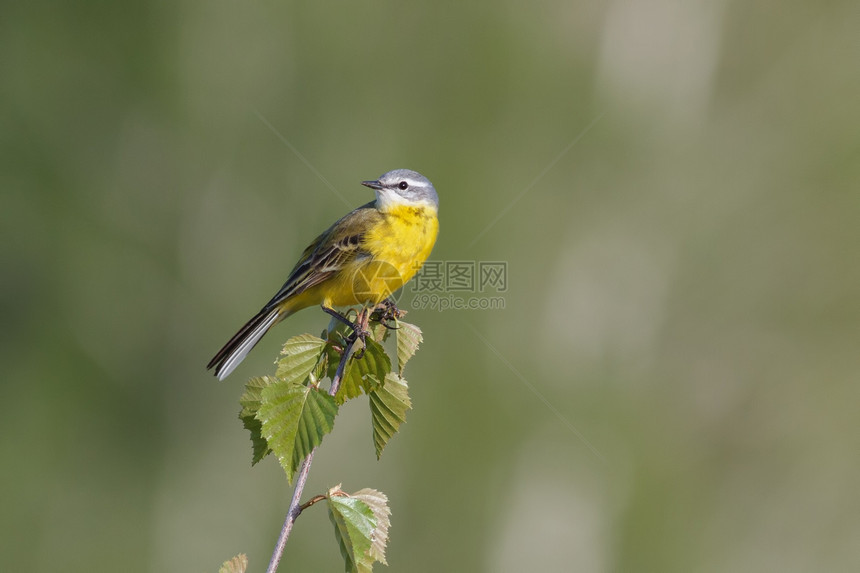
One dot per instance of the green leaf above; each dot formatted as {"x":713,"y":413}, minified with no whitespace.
{"x":378,"y":331}
{"x":236,"y":565}
{"x":250,"y":402}
{"x":251,"y":399}
{"x":319,"y":371}
{"x":408,"y":339}
{"x":354,"y":525}
{"x":378,"y":504}
{"x":294,"y":420}
{"x":362,"y":374}
{"x":388,"y":405}
{"x":300,"y":356}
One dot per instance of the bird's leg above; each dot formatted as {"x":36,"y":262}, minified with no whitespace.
{"x":340,"y":317}
{"x":359,"y":328}
{"x":362,"y":332}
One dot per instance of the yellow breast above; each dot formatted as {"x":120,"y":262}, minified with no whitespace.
{"x":399,"y":245}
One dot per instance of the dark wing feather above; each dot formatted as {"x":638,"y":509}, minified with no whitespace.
{"x":336,"y":247}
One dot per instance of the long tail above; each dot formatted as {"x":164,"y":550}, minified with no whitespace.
{"x":229,"y":357}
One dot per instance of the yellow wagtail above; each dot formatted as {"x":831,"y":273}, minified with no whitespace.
{"x":362,"y":258}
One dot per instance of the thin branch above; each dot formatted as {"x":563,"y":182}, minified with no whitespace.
{"x":292,"y":513}
{"x":295,"y":504}
{"x":310,"y":502}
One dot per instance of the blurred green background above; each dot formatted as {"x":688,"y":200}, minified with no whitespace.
{"x":675,"y":188}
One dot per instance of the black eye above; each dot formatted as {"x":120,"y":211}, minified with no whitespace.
{"x":404,"y":185}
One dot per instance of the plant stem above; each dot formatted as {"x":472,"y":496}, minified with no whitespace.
{"x":295,"y":503}
{"x":310,"y":502}
{"x":292,"y":513}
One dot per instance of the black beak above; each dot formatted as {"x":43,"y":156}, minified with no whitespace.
{"x":372,"y":184}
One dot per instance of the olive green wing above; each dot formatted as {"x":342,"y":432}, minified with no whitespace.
{"x":336,"y":247}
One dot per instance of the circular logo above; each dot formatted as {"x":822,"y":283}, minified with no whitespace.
{"x":376,"y":281}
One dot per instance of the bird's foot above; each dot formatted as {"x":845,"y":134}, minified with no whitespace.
{"x":385,"y":312}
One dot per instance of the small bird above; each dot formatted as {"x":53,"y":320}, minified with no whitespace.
{"x":362,"y":258}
